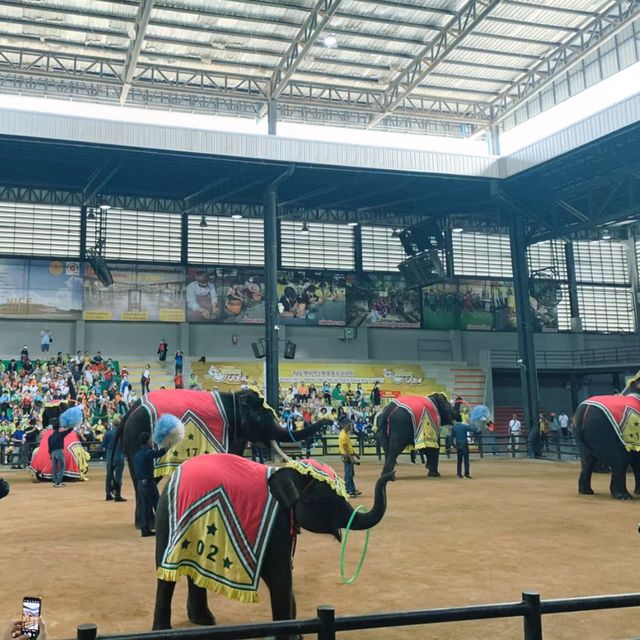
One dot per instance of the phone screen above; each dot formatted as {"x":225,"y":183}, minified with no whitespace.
{"x":30,"y":613}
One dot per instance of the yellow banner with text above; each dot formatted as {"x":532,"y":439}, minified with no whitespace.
{"x":394,"y":379}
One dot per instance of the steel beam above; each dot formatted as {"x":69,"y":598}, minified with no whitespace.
{"x":602,"y":27}
{"x":524,"y":325}
{"x":313,"y":26}
{"x":142,"y":20}
{"x":431,"y":56}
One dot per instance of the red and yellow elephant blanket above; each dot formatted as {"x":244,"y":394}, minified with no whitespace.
{"x":76,"y":459}
{"x":623,"y":413}
{"x":221,"y":514}
{"x":206,"y":427}
{"x":425,"y":420}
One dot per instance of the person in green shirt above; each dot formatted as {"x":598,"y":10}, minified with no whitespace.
{"x":337,"y":394}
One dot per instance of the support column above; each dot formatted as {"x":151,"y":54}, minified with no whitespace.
{"x":184,"y":240}
{"x":83,"y":232}
{"x":448,"y":252}
{"x":528,"y":372}
{"x":576,"y":321}
{"x":271,"y":329}
{"x":493,"y":141}
{"x":272,"y":117}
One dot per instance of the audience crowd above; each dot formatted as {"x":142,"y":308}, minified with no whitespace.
{"x":28,"y":385}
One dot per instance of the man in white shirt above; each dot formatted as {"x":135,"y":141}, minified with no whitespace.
{"x":45,"y":340}
{"x":514,"y":432}
{"x":146,"y":379}
{"x":202,"y":298}
{"x":563,"y":419}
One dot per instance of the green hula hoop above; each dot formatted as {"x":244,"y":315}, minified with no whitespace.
{"x":344,"y":546}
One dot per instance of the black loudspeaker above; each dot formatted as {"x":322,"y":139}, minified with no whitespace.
{"x":289,"y":350}
{"x":422,"y":270}
{"x":102,"y":270}
{"x":259,"y":350}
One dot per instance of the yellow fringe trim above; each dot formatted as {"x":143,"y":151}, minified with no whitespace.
{"x":338,"y":486}
{"x":164,"y":471}
{"x":172,"y":575}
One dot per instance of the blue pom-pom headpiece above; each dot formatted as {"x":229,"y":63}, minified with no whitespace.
{"x":71,"y":418}
{"x":478,"y":413}
{"x":168,"y":430}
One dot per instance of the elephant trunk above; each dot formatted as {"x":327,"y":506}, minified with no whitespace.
{"x":371,"y":518}
{"x":281,"y":434}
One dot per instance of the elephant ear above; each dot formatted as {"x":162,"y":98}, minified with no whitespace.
{"x":282,"y":485}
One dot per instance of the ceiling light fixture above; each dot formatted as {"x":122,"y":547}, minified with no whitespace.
{"x":91,"y":215}
{"x":236,"y":216}
{"x":457,"y":230}
{"x":305,"y":228}
{"x":606,"y":234}
{"x":203,"y":222}
{"x":330,"y":41}
{"x":352,"y":224}
{"x":103,"y":205}
{"x":395,"y":233}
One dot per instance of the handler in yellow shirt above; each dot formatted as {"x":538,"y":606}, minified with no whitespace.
{"x":349,"y":456}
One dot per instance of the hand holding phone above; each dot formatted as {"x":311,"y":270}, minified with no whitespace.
{"x":31,"y":611}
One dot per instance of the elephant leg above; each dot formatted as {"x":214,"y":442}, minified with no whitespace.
{"x":278,"y":576}
{"x":390,"y":459}
{"x":619,"y":481}
{"x":197,"y":606}
{"x":635,"y":465}
{"x":162,"y":613}
{"x":588,"y":464}
{"x":432,"y":462}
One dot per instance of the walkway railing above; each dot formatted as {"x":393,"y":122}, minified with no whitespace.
{"x":325,"y":625}
{"x":571,"y":359}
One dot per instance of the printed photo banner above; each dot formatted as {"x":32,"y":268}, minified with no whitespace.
{"x":225,"y":295}
{"x":40,"y":289}
{"x":382,"y":300}
{"x":139,"y":293}
{"x":312,"y":298}
{"x":469,"y":305}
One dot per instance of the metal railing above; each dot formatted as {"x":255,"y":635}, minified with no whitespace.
{"x":571,"y":359}
{"x":325,"y":625}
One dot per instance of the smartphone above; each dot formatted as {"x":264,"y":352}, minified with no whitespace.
{"x":31,"y":610}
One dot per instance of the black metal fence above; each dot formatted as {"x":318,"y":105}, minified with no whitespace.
{"x":571,"y":359}
{"x":325,"y":625}
{"x":555,"y":446}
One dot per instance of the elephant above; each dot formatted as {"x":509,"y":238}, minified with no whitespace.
{"x":299,"y":498}
{"x":607,"y":428}
{"x":249,"y":418}
{"x":395,"y":426}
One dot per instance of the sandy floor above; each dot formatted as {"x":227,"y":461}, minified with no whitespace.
{"x":518,"y":525}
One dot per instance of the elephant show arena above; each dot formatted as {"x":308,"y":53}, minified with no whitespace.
{"x":519,"y":525}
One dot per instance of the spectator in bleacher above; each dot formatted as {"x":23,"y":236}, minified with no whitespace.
{"x":145,"y":380}
{"x":179,"y":358}
{"x":376,"y":397}
{"x":177,"y":381}
{"x":193,"y":382}
{"x":326,"y":392}
{"x":45,"y":340}
{"x":24,"y":356}
{"x":163,"y":347}
{"x":563,"y":419}
{"x":554,"y":428}
{"x":348,"y":395}
{"x":337,"y":396}
{"x":358,"y":396}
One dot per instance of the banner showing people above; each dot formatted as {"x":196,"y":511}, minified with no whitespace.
{"x":139,"y":293}
{"x":225,"y":294}
{"x":382,"y":300}
{"x":470,"y":305}
{"x":40,"y":289}
{"x":312,"y":298}
{"x":545,"y":297}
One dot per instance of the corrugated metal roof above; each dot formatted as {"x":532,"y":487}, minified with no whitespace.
{"x":425,"y":65}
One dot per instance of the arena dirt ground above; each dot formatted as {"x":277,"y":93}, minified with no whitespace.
{"x":518,"y":525}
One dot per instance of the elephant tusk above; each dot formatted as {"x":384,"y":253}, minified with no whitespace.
{"x":279,"y":451}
